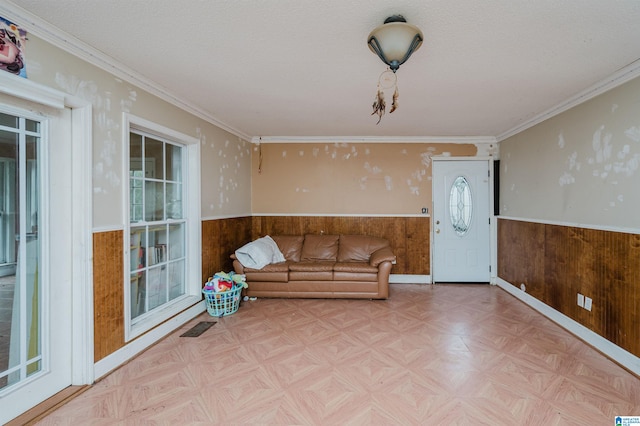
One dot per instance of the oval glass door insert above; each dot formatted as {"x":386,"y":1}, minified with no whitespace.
{"x":460,"y":205}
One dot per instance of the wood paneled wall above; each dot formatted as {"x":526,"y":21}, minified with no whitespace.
{"x":108,"y":293}
{"x":558,"y":262}
{"x":408,"y":236}
{"x":220,"y":238}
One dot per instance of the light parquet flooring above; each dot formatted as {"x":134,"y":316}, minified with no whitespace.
{"x":430,"y":355}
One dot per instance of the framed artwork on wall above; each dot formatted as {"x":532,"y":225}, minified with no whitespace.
{"x":12,"y":43}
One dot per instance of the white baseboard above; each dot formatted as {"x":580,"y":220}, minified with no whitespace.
{"x":409,"y":279}
{"x":613,"y":351}
{"x":124,"y":354}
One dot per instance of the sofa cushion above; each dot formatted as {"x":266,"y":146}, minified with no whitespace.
{"x":279,"y":277}
{"x":318,"y":266}
{"x":355,"y":267}
{"x":272,"y":267}
{"x":311,"y":271}
{"x":354,"y":271}
{"x":358,"y":248}
{"x":290,"y":246}
{"x":274,"y":272}
{"x":319,"y":247}
{"x":312,"y":276}
{"x":354,"y":277}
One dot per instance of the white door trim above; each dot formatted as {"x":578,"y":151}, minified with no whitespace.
{"x":82,"y":361}
{"x":82,"y":372}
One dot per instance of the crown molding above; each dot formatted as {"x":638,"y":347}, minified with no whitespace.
{"x":51,"y":34}
{"x":374,"y":139}
{"x":616,"y":79}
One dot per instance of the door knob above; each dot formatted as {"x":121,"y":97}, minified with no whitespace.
{"x":437,"y":231}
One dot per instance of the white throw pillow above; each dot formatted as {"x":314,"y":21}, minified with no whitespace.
{"x":259,"y":253}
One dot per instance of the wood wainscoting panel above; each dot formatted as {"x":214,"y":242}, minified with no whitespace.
{"x":525,"y":265}
{"x":108,"y":293}
{"x":621,"y":299}
{"x":408,"y":236}
{"x":220,"y":238}
{"x":417,"y":246}
{"x":557,"y":262}
{"x":561,"y":279}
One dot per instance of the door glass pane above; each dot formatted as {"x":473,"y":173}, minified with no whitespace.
{"x":20,"y":279}
{"x":460,"y":205}
{"x":9,"y":220}
{"x":32,"y":250}
{"x":8,"y":203}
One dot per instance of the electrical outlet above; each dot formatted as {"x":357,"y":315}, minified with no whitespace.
{"x":587,"y":303}
{"x":581,"y":300}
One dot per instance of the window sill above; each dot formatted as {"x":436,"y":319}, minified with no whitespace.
{"x":157,"y":317}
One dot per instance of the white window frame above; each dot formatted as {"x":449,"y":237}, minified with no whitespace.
{"x":193,"y":232}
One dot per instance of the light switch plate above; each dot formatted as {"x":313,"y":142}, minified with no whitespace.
{"x":581,"y":300}
{"x":587,"y":303}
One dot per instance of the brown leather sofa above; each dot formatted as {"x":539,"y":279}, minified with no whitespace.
{"x":324,"y":266}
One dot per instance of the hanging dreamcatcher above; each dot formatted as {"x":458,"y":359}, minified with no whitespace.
{"x":387,"y":82}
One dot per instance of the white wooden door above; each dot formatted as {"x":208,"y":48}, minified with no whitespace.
{"x":38,"y":139}
{"x":461,"y":228}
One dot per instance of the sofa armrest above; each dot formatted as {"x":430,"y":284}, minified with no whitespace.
{"x":238,"y":267}
{"x":382,"y":255}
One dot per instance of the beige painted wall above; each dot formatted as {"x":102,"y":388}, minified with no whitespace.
{"x":580,"y":167}
{"x":346,"y":178}
{"x":225,"y":158}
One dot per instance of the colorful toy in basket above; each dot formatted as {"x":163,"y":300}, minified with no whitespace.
{"x":223,"y":281}
{"x":222,"y":293}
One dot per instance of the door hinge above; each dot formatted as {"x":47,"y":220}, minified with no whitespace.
{"x":489,"y":268}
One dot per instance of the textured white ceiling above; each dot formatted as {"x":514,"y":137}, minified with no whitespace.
{"x":302,"y":67}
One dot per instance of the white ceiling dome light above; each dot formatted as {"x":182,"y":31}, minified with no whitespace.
{"x":395,"y":41}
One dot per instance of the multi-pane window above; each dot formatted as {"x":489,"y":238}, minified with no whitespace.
{"x":157,"y":223}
